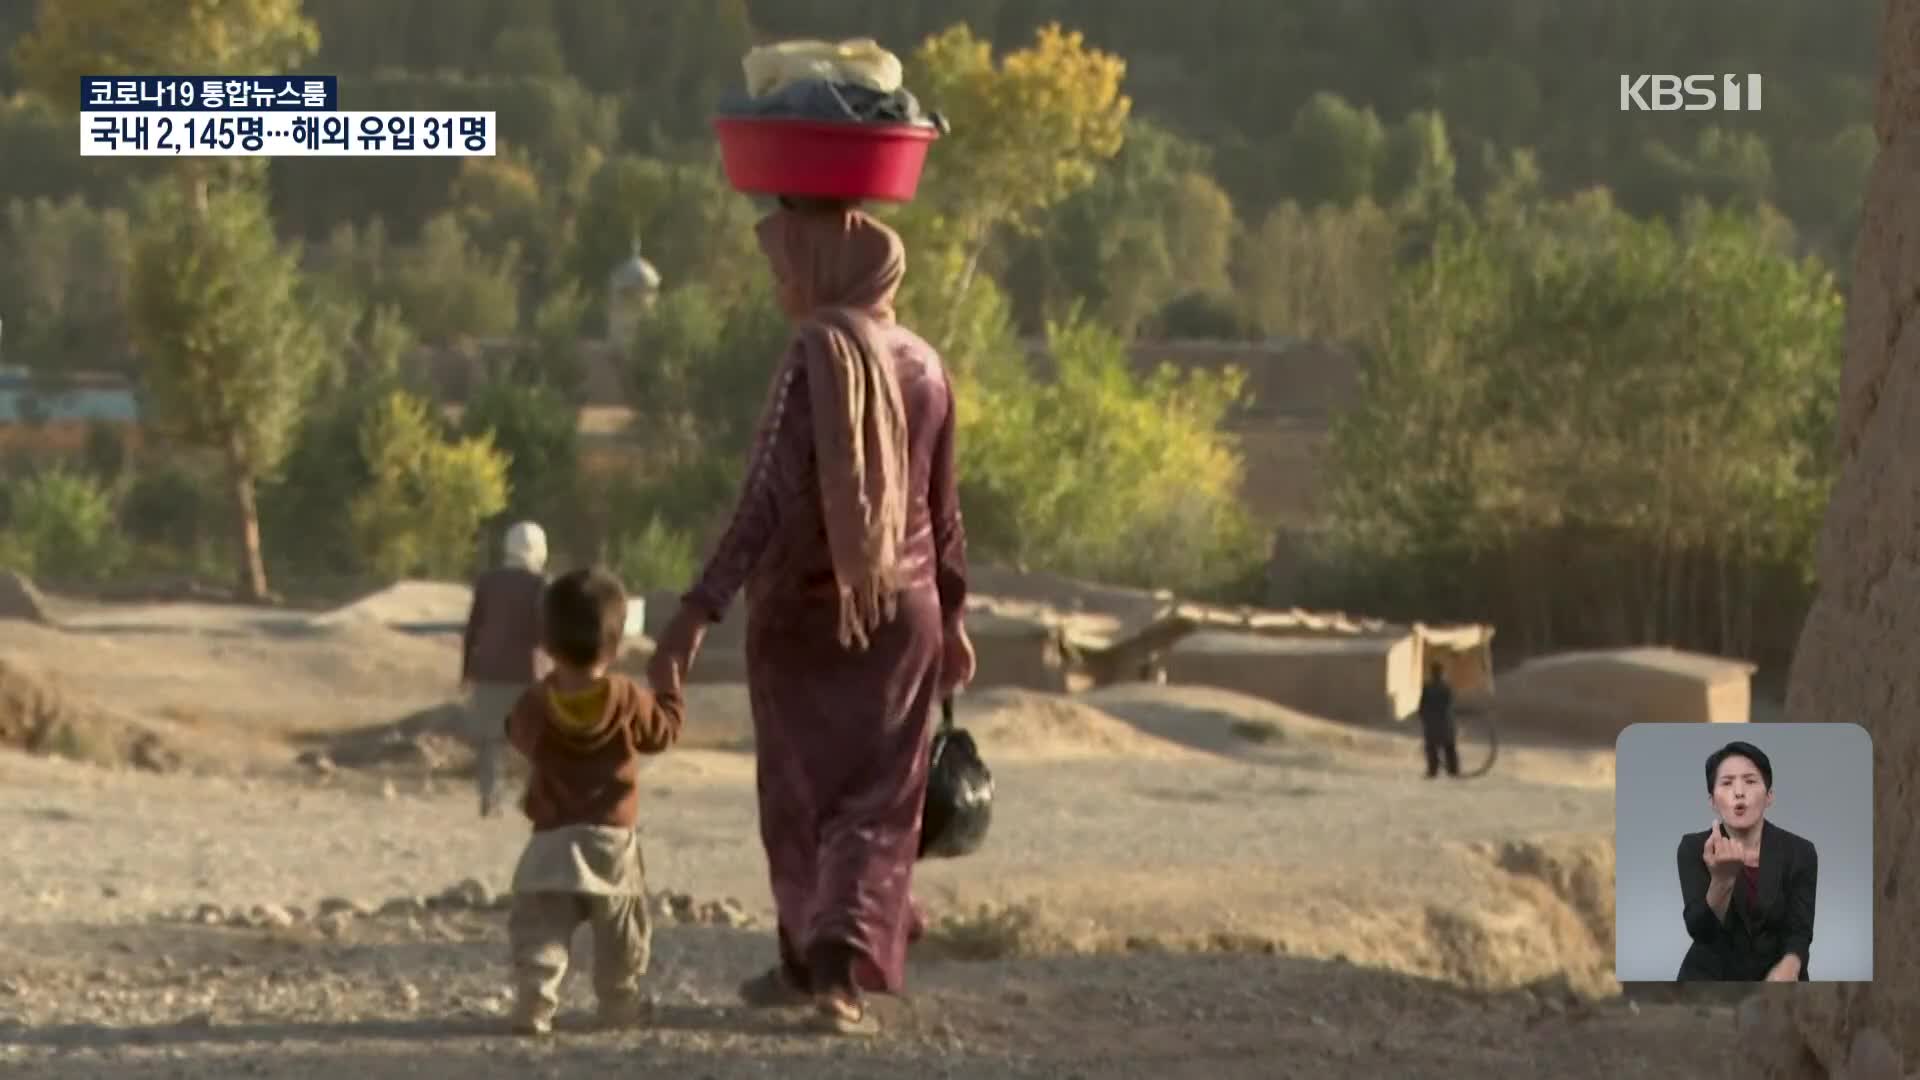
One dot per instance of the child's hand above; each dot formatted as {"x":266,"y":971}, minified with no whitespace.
{"x":664,"y":674}
{"x":673,"y":654}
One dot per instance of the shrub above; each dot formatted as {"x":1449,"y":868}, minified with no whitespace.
{"x":657,"y":556}
{"x":429,"y":496}
{"x":63,"y":521}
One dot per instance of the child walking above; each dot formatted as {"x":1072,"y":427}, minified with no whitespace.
{"x":583,"y":730}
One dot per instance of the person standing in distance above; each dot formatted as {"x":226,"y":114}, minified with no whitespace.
{"x":1436,"y":724}
{"x":500,"y":654}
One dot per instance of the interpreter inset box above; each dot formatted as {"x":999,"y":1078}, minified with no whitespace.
{"x":1743,"y":853}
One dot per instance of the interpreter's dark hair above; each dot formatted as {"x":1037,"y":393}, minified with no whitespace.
{"x":1437,"y":670}
{"x":583,"y":617}
{"x":1740,"y":749}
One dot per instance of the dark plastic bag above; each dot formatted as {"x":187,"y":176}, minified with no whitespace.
{"x":959,"y":793}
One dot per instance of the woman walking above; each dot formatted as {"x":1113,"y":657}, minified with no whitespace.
{"x":848,"y":539}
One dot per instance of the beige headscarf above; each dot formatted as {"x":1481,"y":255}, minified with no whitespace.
{"x":838,"y":272}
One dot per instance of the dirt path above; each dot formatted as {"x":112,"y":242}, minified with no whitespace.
{"x":1179,"y":884}
{"x":395,"y":997}
{"x":104,"y":977}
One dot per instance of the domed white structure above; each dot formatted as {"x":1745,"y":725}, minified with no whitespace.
{"x":632,"y":289}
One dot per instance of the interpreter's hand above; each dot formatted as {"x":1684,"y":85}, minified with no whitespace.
{"x":674,"y":653}
{"x":957,"y":660}
{"x":1787,"y":970}
{"x":1724,"y":855}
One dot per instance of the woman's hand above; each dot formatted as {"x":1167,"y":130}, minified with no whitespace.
{"x":674,"y":653}
{"x":1787,"y":970}
{"x":957,"y":660}
{"x":1724,"y":855}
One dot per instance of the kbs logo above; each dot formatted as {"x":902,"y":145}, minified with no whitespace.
{"x":1691,"y":93}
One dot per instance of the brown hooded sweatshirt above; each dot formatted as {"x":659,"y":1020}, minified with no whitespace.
{"x":585,"y":749}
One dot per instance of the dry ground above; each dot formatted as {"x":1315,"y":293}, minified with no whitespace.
{"x":1179,"y":883}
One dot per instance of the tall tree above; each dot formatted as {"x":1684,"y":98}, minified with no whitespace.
{"x":74,"y":38}
{"x":1340,"y":150}
{"x":1593,"y":429}
{"x":228,"y":345}
{"x":1028,"y":131}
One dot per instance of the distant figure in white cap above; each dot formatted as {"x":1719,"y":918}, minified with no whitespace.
{"x":500,"y":655}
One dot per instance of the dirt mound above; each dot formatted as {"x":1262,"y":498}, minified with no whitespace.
{"x":1035,"y":724}
{"x":41,"y":718}
{"x":1004,"y":721}
{"x":1524,"y":913}
{"x":1000,"y":930}
{"x":1226,"y":722}
{"x":430,"y":740}
{"x":407,"y":603}
{"x":1557,"y":921}
{"x":20,"y":600}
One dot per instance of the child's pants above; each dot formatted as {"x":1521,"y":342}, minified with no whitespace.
{"x":540,"y":932}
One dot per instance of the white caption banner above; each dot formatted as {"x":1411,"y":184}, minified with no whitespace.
{"x":288,"y":134}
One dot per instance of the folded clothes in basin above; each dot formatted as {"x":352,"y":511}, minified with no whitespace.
{"x":820,"y":99}
{"x":857,"y":62}
{"x":848,"y":81}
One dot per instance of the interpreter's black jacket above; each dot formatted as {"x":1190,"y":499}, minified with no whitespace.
{"x":1753,"y":937}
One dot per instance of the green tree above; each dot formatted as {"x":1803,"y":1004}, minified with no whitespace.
{"x":502,"y":207}
{"x":75,"y":38}
{"x":324,"y":467}
{"x":1821,"y":182}
{"x":450,"y":291}
{"x":697,"y":375}
{"x":1570,"y":396}
{"x":1420,"y":168}
{"x":63,"y":285}
{"x":1340,"y":151}
{"x":1724,"y":167}
{"x":62,"y":522}
{"x":1100,"y":472}
{"x":422,"y":512}
{"x":694,"y":227}
{"x":982,"y":340}
{"x":175,"y":513}
{"x":654,"y":556}
{"x":1201,"y":226}
{"x":1324,"y":274}
{"x":1152,"y":227}
{"x":550,"y":355}
{"x":42,"y":163}
{"x":708,"y":358}
{"x":1028,"y":131}
{"x":528,"y":50}
{"x":538,"y":430}
{"x":227,"y":346}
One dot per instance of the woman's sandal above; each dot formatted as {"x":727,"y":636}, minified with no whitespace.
{"x":772,"y":990}
{"x":837,"y":1016}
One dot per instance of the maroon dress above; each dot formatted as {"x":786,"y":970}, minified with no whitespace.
{"x":841,"y":737}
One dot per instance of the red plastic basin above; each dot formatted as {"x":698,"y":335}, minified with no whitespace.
{"x":822,"y":159}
